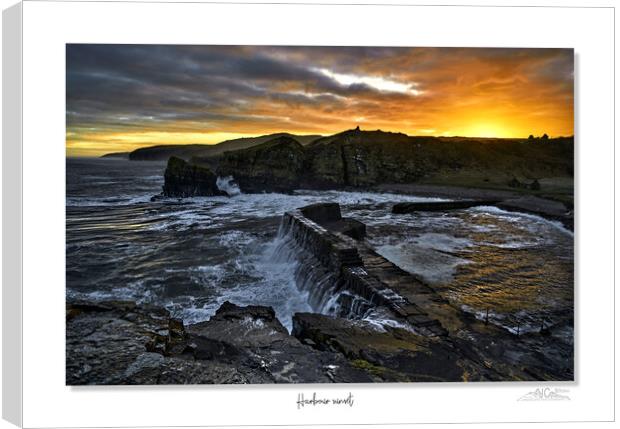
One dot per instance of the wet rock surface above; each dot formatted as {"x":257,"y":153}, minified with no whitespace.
{"x":392,"y":355}
{"x":121,"y":343}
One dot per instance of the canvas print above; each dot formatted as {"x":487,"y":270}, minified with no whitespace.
{"x":289,"y":214}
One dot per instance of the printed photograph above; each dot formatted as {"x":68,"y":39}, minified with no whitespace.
{"x":313,"y":214}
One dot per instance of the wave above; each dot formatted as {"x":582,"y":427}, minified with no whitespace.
{"x":519,"y":216}
{"x":228,"y":185}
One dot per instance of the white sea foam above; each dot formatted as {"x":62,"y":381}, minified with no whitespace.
{"x":271,"y":281}
{"x":228,"y":185}
{"x":518,"y":217}
{"x":273,"y":204}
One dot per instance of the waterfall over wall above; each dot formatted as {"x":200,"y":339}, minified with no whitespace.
{"x":316,"y":272}
{"x":331,"y":270}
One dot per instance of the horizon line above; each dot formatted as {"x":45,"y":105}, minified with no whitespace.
{"x":102,"y":154}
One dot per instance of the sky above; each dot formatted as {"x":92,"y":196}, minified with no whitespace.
{"x":122,"y":97}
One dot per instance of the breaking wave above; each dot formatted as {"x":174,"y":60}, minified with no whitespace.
{"x":228,"y":185}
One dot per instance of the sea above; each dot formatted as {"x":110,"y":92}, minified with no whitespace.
{"x":191,"y":255}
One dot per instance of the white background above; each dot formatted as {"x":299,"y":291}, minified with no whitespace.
{"x":48,"y":26}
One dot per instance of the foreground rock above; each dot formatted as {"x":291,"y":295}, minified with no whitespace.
{"x":390,"y":355}
{"x":121,"y":343}
{"x":182,"y":179}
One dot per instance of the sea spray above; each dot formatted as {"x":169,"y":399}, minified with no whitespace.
{"x":228,"y":185}
{"x":323,"y":287}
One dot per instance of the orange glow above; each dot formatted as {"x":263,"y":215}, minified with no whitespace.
{"x":425,"y":91}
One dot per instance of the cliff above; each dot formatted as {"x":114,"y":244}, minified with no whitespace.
{"x":276,"y":165}
{"x":357,"y":158}
{"x":182,"y":179}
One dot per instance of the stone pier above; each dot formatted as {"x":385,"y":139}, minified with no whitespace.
{"x":481,"y":351}
{"x":321,"y":230}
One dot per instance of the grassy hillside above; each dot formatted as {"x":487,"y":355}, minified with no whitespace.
{"x":197,"y":151}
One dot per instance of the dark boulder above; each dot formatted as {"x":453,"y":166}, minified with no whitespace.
{"x":242,"y":326}
{"x":253,"y":337}
{"x":182,"y":179}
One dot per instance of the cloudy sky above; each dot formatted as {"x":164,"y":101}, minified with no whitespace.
{"x":121,"y":97}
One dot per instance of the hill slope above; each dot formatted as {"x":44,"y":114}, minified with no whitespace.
{"x":186,"y":152}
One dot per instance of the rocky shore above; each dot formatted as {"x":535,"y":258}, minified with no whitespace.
{"x":427,"y":339}
{"x":393,"y":162}
{"x":116,"y":343}
{"x":122,"y":343}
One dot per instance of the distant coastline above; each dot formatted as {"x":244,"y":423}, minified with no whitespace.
{"x":186,"y":151}
{"x":121,"y":155}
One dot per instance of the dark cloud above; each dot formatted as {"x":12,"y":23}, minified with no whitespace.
{"x":118,"y":88}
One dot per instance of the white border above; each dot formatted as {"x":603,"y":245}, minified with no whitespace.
{"x":49,"y":25}
{"x":12,"y":214}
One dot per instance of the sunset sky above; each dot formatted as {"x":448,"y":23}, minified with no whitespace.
{"x":121,"y":97}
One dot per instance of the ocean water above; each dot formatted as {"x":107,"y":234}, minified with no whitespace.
{"x":191,"y":255}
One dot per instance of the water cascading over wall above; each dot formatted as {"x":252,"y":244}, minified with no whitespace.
{"x":331,"y":269}
{"x":320,"y":257}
